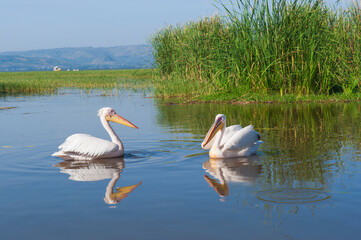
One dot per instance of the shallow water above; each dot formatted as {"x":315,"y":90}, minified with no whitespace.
{"x":304,"y":183}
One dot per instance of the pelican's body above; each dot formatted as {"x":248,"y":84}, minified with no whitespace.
{"x":86,"y":147}
{"x":230,"y":142}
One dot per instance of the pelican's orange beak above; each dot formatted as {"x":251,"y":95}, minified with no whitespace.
{"x":118,"y":119}
{"x":123,"y":191}
{"x":217,"y":125}
{"x":221,"y":189}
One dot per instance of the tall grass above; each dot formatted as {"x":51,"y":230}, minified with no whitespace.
{"x":297,"y":47}
{"x":50,"y":82}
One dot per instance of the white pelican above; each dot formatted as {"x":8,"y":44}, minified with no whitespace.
{"x":230,"y":142}
{"x":86,"y":147}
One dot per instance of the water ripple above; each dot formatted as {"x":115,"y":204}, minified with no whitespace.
{"x":292,"y":195}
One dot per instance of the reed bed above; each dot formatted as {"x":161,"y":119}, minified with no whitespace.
{"x":50,"y":82}
{"x":299,"y":47}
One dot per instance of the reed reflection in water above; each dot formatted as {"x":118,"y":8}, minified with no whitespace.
{"x":303,"y":142}
{"x":306,"y":147}
{"x":99,"y":169}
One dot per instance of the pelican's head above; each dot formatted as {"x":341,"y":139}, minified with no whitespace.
{"x":109,"y":114}
{"x":218,"y":124}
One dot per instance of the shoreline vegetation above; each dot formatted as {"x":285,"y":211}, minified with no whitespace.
{"x":263,"y":48}
{"x":47,"y":82}
{"x":260,"y":52}
{"x":110,"y":81}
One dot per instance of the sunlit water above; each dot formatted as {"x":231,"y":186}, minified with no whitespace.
{"x":304,"y":183}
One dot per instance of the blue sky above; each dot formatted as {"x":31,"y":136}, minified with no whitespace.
{"x":43,"y":24}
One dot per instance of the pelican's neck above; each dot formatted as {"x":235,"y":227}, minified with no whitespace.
{"x":220,"y":176}
{"x":109,"y":190}
{"x":218,"y":140}
{"x":109,"y":129}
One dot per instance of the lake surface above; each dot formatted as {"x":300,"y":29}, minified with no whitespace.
{"x":304,"y":183}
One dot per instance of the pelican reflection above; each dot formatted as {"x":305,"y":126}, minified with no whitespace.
{"x":99,"y":169}
{"x":240,"y":170}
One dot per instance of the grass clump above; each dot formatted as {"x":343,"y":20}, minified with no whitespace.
{"x":298,"y":47}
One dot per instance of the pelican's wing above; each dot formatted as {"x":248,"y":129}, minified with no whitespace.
{"x":227,"y":134}
{"x":88,"y":145}
{"x":230,"y":131}
{"x":246,"y":137}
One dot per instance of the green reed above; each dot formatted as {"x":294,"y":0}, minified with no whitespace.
{"x":300,"y":47}
{"x":50,"y":82}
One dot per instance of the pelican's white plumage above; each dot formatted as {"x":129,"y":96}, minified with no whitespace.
{"x":86,"y":147}
{"x":233,"y":141}
{"x":85,"y":144}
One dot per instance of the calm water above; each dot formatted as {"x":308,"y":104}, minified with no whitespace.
{"x":305,"y":183}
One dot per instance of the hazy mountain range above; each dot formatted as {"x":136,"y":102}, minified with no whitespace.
{"x":83,"y":58}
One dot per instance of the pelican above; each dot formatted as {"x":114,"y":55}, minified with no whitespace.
{"x":230,"y":142}
{"x":86,"y":147}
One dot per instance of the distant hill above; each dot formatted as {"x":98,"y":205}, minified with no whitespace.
{"x":84,"y":58}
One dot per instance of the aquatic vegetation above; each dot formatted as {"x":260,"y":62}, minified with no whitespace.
{"x":285,"y":47}
{"x":260,"y":51}
{"x":51,"y":82}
